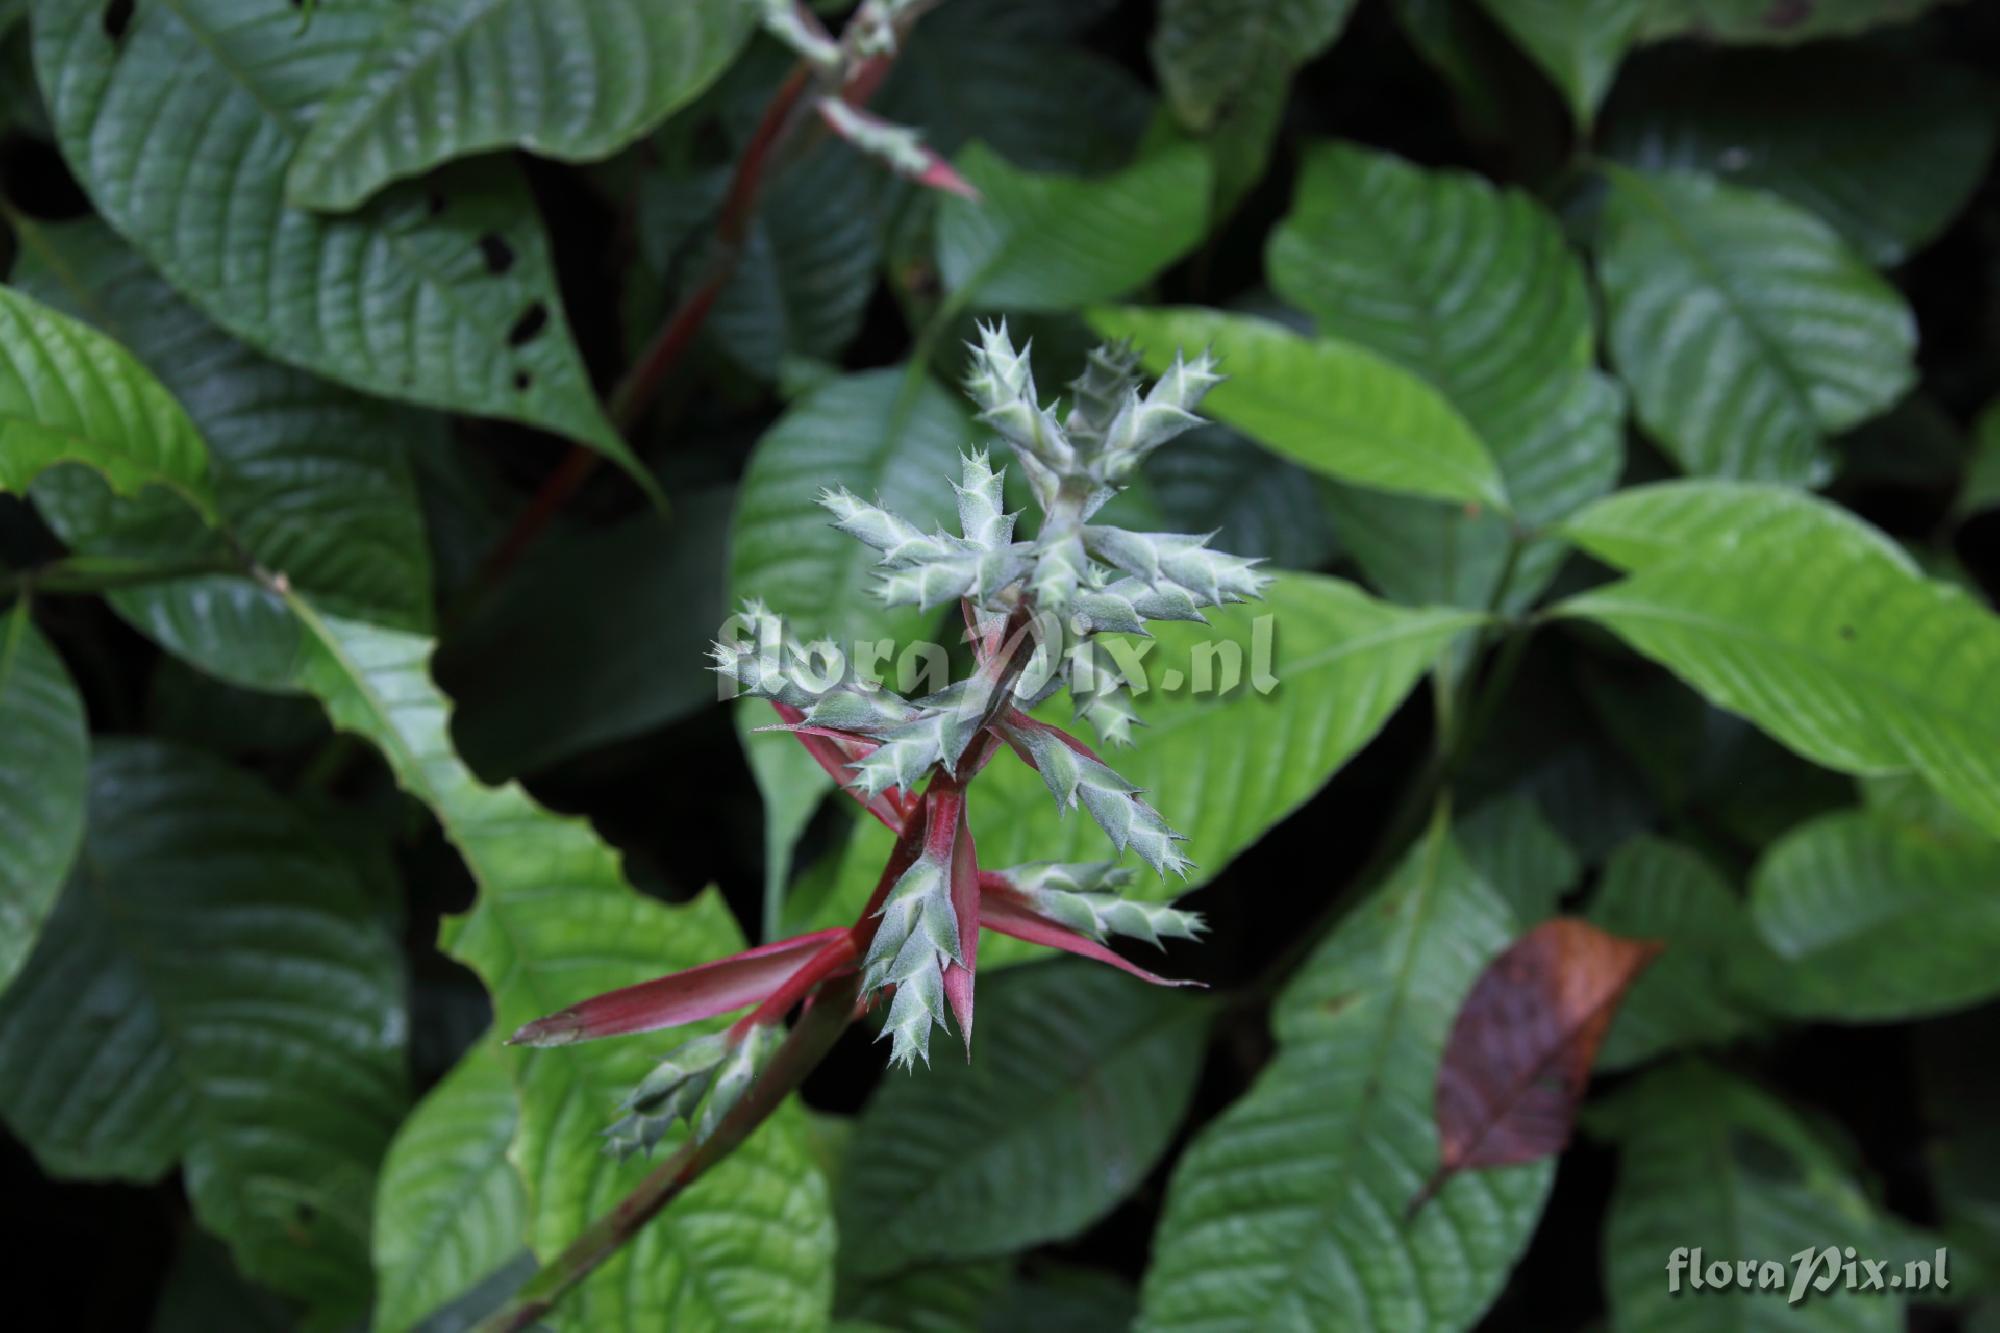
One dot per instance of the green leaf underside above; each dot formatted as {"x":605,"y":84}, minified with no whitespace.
{"x":43,"y":772}
{"x":310,"y":480}
{"x":1287,"y":1212}
{"x":1746,"y":329}
{"x":1222,"y":768}
{"x":1036,"y":242}
{"x":573,"y":81}
{"x":214,"y":990}
{"x":181,"y":132}
{"x":1878,"y":918}
{"x":1334,"y":407}
{"x":1707,"y":1159}
{"x":1474,"y":290}
{"x":1078,"y":1080}
{"x":68,"y":394}
{"x":556,"y":922}
{"x":451,"y":1209}
{"x":1843,"y":656}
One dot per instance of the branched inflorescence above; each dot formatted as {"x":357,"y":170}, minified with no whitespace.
{"x":1034,"y":607}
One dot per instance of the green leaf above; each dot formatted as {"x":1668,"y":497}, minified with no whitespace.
{"x":1879,"y":918}
{"x":1288,"y":1210}
{"x":1746,"y":328}
{"x":1846,"y":658}
{"x":1047,"y":242}
{"x":1077,"y":1082}
{"x":1703,"y":988}
{"x":1474,"y":290}
{"x":1256,"y":504}
{"x":181,"y":131}
{"x":562,"y":659}
{"x":1222,"y":767}
{"x":1334,"y":407}
{"x":446,"y":78}
{"x":203,"y":1293}
{"x":1708,"y":1160}
{"x":42,"y":781}
{"x":1577,"y":43}
{"x":1211,"y":54}
{"x":792,"y":786}
{"x":311,"y":480}
{"x":214,"y":972}
{"x":895,"y":434}
{"x":1514,"y":849}
{"x":1646,"y":526}
{"x":1885,"y":146}
{"x":937,"y":1298}
{"x":68,"y":394}
{"x":1760,"y":22}
{"x":556,"y":922}
{"x":451,"y":1208}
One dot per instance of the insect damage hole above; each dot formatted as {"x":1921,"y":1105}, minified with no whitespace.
{"x":529,"y":326}
{"x":498,"y":254}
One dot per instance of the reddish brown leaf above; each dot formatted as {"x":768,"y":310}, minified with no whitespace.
{"x":1523,"y":1043}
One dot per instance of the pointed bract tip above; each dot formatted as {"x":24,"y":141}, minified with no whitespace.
{"x":561,"y":1029}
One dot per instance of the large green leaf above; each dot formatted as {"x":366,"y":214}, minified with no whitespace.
{"x":311,"y":480}
{"x":42,"y":783}
{"x":1880,"y":918}
{"x":181,"y":129}
{"x":1475,"y":290}
{"x":1524,"y":860}
{"x":1077,"y":1081}
{"x":451,"y":1208}
{"x":1223,"y":767}
{"x":1577,"y":43}
{"x":895,"y":434}
{"x":1333,"y":406}
{"x":1703,"y":988}
{"x":450,"y":77}
{"x":1256,"y":504}
{"x":1047,"y":242}
{"x":1288,"y":1212}
{"x":68,"y":394}
{"x":1211,"y":54}
{"x":750,"y":1244}
{"x":1885,"y":146}
{"x":1746,"y":328}
{"x":216,"y":990}
{"x":1644,"y":526}
{"x":1708,"y":1160}
{"x":1761,"y":22}
{"x":1839,"y":653}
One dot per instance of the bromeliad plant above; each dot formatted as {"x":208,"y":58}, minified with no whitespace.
{"x":1033,"y":609}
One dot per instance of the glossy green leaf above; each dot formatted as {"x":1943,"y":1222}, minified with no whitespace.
{"x":1288,"y":1211}
{"x":1746,"y":328}
{"x":181,"y":131}
{"x":1211,"y":54}
{"x":42,"y":782}
{"x":1047,"y":242}
{"x":1256,"y":503}
{"x":214,"y":972}
{"x":1846,"y":658}
{"x":1646,"y":526}
{"x":451,"y":1208}
{"x":1878,"y":918}
{"x":1709,"y":1160}
{"x":1760,"y":22}
{"x":446,"y":78}
{"x":1885,"y":146}
{"x":1223,"y":767}
{"x":1577,"y":43}
{"x":1704,"y":987}
{"x":556,"y":922}
{"x":1334,"y":407}
{"x":896,"y":434}
{"x":1474,"y":290}
{"x":311,"y":480}
{"x":68,"y":394}
{"x":1078,"y":1079}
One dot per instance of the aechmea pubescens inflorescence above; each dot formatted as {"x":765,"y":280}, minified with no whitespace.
{"x":1033,"y":605}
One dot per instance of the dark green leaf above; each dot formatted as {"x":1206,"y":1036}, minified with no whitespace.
{"x":1765,"y":22}
{"x":1256,"y":504}
{"x":1517,"y":853}
{"x":1211,"y":54}
{"x":1577,"y":43}
{"x":42,"y":782}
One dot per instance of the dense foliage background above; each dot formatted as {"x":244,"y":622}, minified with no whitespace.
{"x":319,"y":318}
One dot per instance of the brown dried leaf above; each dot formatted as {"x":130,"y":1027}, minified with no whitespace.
{"x":1523,"y":1043}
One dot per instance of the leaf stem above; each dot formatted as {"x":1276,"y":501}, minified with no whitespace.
{"x":91,"y":575}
